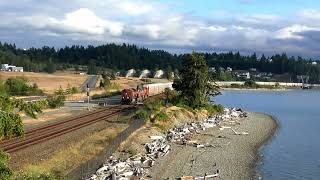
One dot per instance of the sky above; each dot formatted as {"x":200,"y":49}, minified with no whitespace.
{"x":178,"y":26}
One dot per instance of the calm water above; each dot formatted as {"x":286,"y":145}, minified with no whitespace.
{"x":294,"y":153}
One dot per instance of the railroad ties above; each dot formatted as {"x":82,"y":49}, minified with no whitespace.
{"x":50,"y":131}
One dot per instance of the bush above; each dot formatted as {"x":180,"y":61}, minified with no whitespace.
{"x":5,"y":171}
{"x":236,"y":86}
{"x":34,"y":175}
{"x":251,"y":84}
{"x":2,"y":88}
{"x":142,"y":114}
{"x":161,"y":117}
{"x":17,"y":86}
{"x":56,"y":101}
{"x":72,"y":90}
{"x":214,"y":108}
{"x":146,"y":80}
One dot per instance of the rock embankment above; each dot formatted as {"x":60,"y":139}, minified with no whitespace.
{"x":153,"y":162}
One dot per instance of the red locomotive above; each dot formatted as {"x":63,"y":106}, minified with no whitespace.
{"x":129,"y":96}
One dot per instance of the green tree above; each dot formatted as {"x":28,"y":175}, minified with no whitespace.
{"x":170,"y":73}
{"x":195,"y":84}
{"x":92,"y":68}
{"x":51,"y":67}
{"x":11,"y":124}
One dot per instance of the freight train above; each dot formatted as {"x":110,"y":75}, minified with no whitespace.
{"x":129,"y":96}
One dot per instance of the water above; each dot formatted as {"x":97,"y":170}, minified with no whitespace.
{"x":294,"y":153}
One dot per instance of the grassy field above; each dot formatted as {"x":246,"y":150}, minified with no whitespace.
{"x":48,"y":82}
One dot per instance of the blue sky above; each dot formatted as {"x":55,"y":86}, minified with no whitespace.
{"x":273,"y":26}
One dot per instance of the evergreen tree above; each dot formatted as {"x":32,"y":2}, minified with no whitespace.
{"x":195,"y":84}
{"x":51,"y":67}
{"x":92,"y":68}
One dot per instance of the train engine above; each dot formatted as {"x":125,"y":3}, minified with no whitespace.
{"x":129,"y":96}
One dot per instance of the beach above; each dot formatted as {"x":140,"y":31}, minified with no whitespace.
{"x":235,"y":156}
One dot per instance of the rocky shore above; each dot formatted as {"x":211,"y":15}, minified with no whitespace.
{"x":221,"y":147}
{"x":235,"y":156}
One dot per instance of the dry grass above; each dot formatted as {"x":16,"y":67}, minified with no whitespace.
{"x":48,"y":82}
{"x":65,"y":160}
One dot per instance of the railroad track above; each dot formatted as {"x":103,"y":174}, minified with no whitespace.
{"x":50,"y":131}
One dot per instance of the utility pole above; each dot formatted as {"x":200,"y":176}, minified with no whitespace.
{"x":88,"y":96}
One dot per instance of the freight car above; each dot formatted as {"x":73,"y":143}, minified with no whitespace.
{"x":129,"y":96}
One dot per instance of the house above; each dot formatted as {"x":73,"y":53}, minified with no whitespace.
{"x":11,"y":68}
{"x":314,"y":63}
{"x":229,"y":69}
{"x":242,"y":74}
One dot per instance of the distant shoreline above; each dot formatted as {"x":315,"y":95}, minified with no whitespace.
{"x":257,"y":89}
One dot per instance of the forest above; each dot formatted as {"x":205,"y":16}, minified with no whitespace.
{"x":125,"y":56}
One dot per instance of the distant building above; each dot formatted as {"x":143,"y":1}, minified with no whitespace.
{"x":229,"y":69}
{"x":11,"y":68}
{"x":314,"y":63}
{"x":253,"y":69}
{"x":242,"y":74}
{"x":212,"y":69}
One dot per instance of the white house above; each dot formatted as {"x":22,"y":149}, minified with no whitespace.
{"x":242,"y":74}
{"x":7,"y":67}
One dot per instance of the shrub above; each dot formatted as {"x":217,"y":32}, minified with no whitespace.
{"x":5,"y":171}
{"x":236,"y":86}
{"x":161,"y":117}
{"x":34,"y":175}
{"x":2,"y":88}
{"x":17,"y":86}
{"x":56,"y":101}
{"x":214,"y":108}
{"x":146,"y":80}
{"x":142,"y":114}
{"x":251,"y":84}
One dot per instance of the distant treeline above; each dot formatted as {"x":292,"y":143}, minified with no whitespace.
{"x":123,"y":57}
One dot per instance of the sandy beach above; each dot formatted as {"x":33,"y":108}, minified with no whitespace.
{"x":235,"y":156}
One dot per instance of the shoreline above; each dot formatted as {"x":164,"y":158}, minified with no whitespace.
{"x":257,"y":89}
{"x":260,"y":146}
{"x":235,"y":156}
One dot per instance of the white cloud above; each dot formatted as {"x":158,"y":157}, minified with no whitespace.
{"x":134,"y":8}
{"x":82,"y":21}
{"x":292,"y":32}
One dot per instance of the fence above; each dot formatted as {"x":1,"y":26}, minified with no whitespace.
{"x":88,"y":168}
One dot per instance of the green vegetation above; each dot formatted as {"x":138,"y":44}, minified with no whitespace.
{"x":56,"y":101}
{"x":146,"y":80}
{"x":92,"y":67}
{"x":72,"y":90}
{"x":5,"y":171}
{"x":51,"y":67}
{"x":195,"y":86}
{"x":18,"y":86}
{"x":223,"y":76}
{"x":11,"y":124}
{"x":251,"y":84}
{"x":126,"y":56}
{"x":192,"y":91}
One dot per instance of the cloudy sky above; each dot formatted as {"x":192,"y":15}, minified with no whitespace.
{"x":273,"y":26}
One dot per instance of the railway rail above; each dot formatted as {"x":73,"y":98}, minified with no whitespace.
{"x":50,"y":131}
{"x":53,"y":130}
